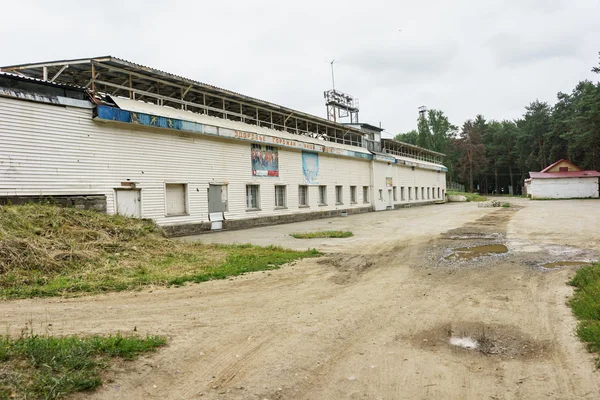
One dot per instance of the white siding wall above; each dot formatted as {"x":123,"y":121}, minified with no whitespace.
{"x":53,"y":150}
{"x":563,"y":188}
{"x":403,"y":176}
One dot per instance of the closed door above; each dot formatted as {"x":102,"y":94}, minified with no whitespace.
{"x":129,"y":203}
{"x":217,"y":198}
{"x":390,"y":199}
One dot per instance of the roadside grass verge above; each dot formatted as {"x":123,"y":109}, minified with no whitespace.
{"x":48,"y":367}
{"x":322,"y":234}
{"x":470,"y":196}
{"x":52,"y":251}
{"x":586,"y":306}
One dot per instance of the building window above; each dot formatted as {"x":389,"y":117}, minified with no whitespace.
{"x":416,"y":193}
{"x":422,"y":193}
{"x":353,"y":194}
{"x":252,"y":197}
{"x":380,"y":194}
{"x":176,"y":198}
{"x":395,"y":189}
{"x":402,"y":198}
{"x":303,"y":196}
{"x":365,"y":194}
{"x":428,"y":193}
{"x":323,"y":195}
{"x":439,"y":193}
{"x":409,"y":193}
{"x":280,"y":196}
{"x":443,"y":194}
{"x":338,"y":195}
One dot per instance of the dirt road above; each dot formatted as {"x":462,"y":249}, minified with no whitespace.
{"x":371,"y":320}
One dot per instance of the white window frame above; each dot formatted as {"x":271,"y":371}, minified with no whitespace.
{"x":306,"y":196}
{"x":185,"y":199}
{"x":402,"y":194}
{"x":353,"y":194}
{"x":322,"y":195}
{"x":395,"y":193}
{"x":339,"y":195}
{"x":284,"y":189}
{"x":365,"y":192}
{"x":257,"y":197}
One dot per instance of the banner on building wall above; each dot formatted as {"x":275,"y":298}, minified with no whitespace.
{"x":388,"y":182}
{"x":265,"y":160}
{"x":310,"y":168}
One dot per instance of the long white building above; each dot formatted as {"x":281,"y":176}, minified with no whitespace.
{"x":109,"y":134}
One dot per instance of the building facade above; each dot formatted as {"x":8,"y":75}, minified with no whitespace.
{"x":193,"y":170}
{"x":563,"y":180}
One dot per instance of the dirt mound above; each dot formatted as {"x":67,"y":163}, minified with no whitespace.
{"x":348,"y":267}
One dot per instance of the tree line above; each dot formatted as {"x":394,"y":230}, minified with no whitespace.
{"x":492,"y":156}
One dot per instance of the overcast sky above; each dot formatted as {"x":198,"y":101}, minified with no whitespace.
{"x":464,"y":57}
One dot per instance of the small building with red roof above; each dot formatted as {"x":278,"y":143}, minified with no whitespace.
{"x":563,"y":180}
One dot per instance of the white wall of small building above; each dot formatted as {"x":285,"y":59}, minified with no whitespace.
{"x":563,"y":188}
{"x":404,"y":177}
{"x":54,"y":150}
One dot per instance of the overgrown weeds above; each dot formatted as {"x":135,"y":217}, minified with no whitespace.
{"x":49,"y":251}
{"x":586,"y":306}
{"x":322,"y":234}
{"x":48,"y":367}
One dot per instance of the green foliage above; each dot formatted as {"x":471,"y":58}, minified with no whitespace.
{"x":48,"y":367}
{"x":586,"y":306}
{"x":322,"y":234}
{"x":410,"y":137}
{"x":506,"y":205}
{"x":52,"y":251}
{"x":508,"y":150}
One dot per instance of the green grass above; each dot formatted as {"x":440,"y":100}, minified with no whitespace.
{"x":470,"y":196}
{"x":322,"y":234}
{"x":586,"y":306}
{"x":48,"y":367}
{"x":51,"y":251}
{"x":506,"y":205}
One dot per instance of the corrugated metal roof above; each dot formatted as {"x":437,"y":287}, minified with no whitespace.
{"x":176,"y":79}
{"x":565,"y":174}
{"x":40,"y":81}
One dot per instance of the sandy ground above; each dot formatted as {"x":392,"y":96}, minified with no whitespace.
{"x":370,"y":320}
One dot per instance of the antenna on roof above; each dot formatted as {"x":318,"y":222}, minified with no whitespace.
{"x":340,"y":105}
{"x":332,"y":75}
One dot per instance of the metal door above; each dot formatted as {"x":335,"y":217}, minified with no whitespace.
{"x":129,"y":202}
{"x":217,"y":198}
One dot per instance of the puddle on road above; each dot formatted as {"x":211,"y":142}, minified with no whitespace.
{"x":470,"y":253}
{"x":464,"y":342}
{"x":557,"y":264}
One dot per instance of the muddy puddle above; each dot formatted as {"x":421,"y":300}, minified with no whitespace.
{"x":490,"y":340}
{"x":470,"y":253}
{"x":558,"y":264}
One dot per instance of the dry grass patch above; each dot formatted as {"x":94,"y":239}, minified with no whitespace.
{"x":49,"y":251}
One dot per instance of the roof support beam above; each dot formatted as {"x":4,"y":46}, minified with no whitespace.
{"x":60,"y":71}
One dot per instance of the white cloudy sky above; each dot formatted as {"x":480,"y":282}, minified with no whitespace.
{"x":464,"y":56}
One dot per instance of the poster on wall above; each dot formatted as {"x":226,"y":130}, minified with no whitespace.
{"x":265,"y":160}
{"x":310,"y":168}
{"x":388,"y":182}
